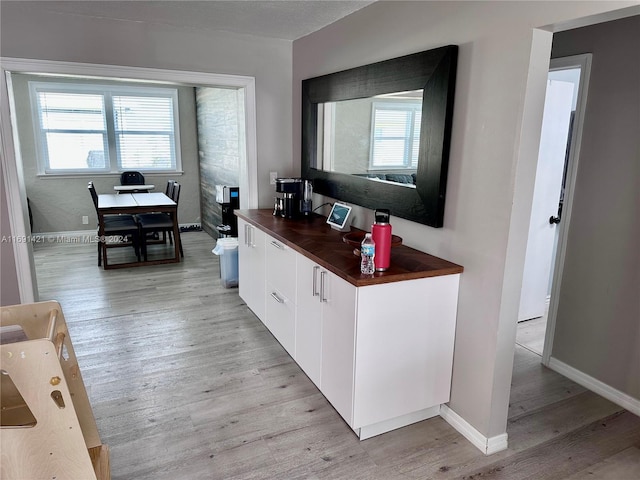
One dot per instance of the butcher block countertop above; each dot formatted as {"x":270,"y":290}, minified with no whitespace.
{"x":316,"y":240}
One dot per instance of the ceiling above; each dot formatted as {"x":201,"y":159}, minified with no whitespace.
{"x":283,"y":19}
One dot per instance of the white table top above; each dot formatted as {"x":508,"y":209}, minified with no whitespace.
{"x":133,"y":188}
{"x":152,"y":199}
{"x":124,"y":200}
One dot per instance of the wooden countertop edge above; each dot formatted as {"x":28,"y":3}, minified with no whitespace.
{"x":376,"y":279}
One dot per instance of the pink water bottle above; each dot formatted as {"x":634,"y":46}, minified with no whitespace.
{"x":381,"y":233}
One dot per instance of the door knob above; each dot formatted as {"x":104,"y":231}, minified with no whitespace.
{"x":553,"y":220}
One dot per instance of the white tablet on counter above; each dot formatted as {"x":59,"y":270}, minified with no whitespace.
{"x":339,"y":216}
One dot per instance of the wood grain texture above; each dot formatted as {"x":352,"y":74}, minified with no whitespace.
{"x":315,"y":239}
{"x":186,"y":383}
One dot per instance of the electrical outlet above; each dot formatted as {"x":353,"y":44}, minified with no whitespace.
{"x":272,"y":177}
{"x":85,"y":220}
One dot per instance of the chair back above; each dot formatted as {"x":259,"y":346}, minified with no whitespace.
{"x":94,"y":195}
{"x":131,"y":178}
{"x":176,"y":192}
{"x":169,"y":191}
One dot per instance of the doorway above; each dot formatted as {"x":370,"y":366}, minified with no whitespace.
{"x":12,"y":163}
{"x":555,"y":177}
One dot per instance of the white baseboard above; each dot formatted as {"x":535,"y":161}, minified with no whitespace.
{"x":67,"y":234}
{"x":487,"y":445}
{"x":616,"y":396}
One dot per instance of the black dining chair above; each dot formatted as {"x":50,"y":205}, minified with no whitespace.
{"x":131,"y":178}
{"x":169,"y":190}
{"x":155,"y":236}
{"x":155,"y":223}
{"x":117,"y":225}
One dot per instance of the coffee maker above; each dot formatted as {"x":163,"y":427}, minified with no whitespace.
{"x":288,"y":197}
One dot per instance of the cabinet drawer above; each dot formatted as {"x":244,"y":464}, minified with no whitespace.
{"x":281,"y":267}
{"x":280,"y":318}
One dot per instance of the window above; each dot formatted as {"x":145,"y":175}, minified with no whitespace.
{"x":395,"y":135}
{"x":81,"y":128}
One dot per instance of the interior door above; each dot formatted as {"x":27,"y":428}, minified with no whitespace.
{"x":546,"y":196}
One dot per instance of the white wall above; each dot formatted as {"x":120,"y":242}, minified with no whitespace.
{"x":501,"y":79}
{"x":9,"y":292}
{"x":598,"y":321}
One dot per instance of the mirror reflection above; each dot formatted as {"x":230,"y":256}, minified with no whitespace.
{"x":376,"y":138}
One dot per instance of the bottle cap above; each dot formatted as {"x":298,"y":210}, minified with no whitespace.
{"x":382,"y":215}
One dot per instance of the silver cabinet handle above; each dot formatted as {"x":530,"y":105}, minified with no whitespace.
{"x":277,"y":298}
{"x":277,"y":245}
{"x":246,"y":234}
{"x":315,"y":281}
{"x":251,"y":244}
{"x":322,"y":290}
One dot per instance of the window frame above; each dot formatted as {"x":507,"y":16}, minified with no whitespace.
{"x":113,"y":163}
{"x":412,"y":107}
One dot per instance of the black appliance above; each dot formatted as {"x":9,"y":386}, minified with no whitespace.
{"x":229,"y":200}
{"x":288,"y":198}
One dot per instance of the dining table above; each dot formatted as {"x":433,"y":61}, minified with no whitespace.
{"x":134,"y":204}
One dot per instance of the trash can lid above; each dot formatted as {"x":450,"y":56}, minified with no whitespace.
{"x":228,"y":243}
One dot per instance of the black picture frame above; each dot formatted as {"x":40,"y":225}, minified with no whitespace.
{"x":434,"y":71}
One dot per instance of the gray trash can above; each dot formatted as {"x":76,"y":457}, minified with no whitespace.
{"x":227,"y":250}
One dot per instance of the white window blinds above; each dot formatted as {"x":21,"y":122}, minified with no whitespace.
{"x":144,"y":132}
{"x":97,"y":128}
{"x":396,"y":135}
{"x":73,"y":130}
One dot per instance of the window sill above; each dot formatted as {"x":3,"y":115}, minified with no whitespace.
{"x":105,"y":175}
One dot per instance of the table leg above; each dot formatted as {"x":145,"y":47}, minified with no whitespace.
{"x":176,"y":236}
{"x":102,"y":250}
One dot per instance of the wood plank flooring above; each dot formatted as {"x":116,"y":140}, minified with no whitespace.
{"x":186,"y":383}
{"x":530,"y":334}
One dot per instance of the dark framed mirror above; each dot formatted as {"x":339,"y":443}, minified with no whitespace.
{"x":399,"y":158}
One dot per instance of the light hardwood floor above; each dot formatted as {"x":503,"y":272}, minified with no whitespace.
{"x":186,"y":383}
{"x":530,"y":334}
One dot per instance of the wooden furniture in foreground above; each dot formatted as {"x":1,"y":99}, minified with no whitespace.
{"x":379,"y":347}
{"x":48,"y":427}
{"x":135,"y":204}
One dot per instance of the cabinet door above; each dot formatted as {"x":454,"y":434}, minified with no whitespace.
{"x":281,"y":267}
{"x":338,"y":299}
{"x":309,"y":319}
{"x":404,"y":349}
{"x":244,"y":262}
{"x":251,"y":267}
{"x":280,"y":318}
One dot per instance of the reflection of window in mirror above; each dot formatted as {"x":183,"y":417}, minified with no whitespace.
{"x":395,"y":135}
{"x":375,"y":137}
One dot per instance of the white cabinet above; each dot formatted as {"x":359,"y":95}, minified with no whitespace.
{"x":381,"y":354}
{"x":325,"y":328}
{"x":338,"y":300}
{"x":309,"y":319}
{"x":251,"y":267}
{"x":281,"y":292}
{"x":403,"y":352}
{"x":380,"y":349}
